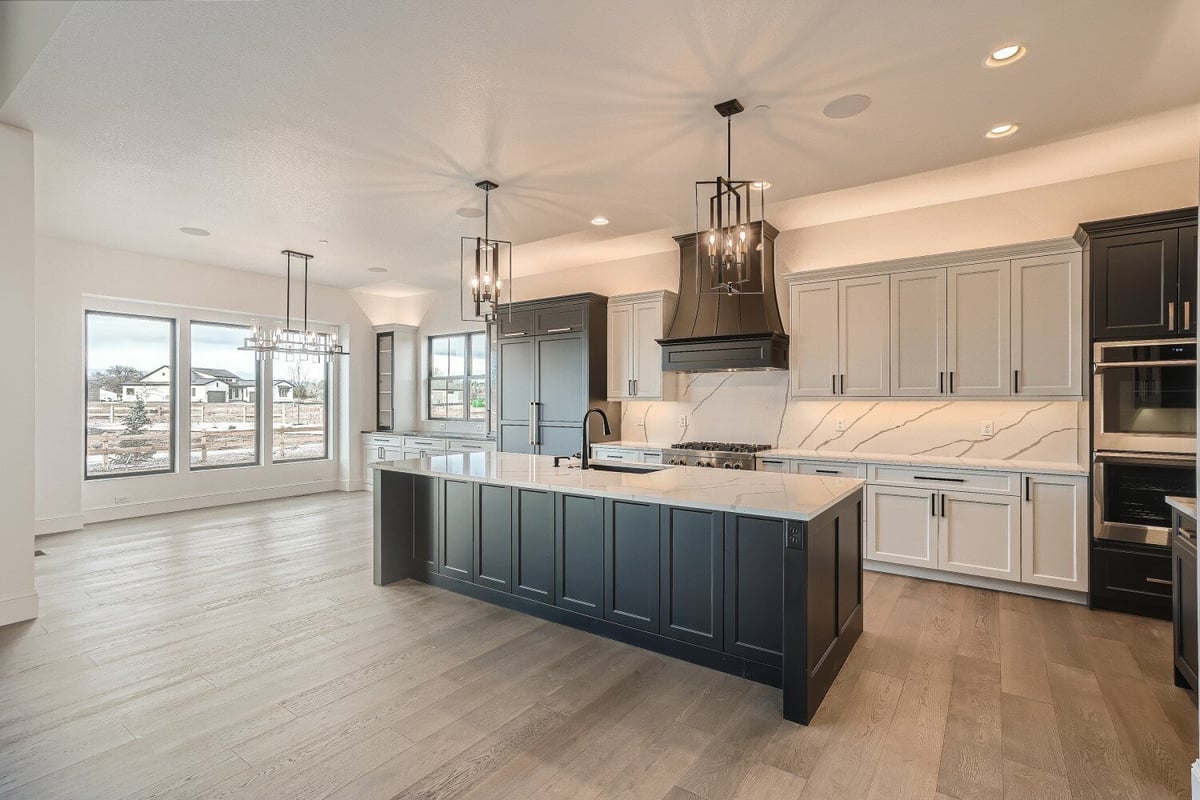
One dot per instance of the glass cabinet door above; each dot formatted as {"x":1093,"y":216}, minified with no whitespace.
{"x":384,"y":343}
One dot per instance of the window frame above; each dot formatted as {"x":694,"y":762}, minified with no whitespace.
{"x":259,"y":404}
{"x":327,"y":437}
{"x":173,"y":403}
{"x":468,"y":338}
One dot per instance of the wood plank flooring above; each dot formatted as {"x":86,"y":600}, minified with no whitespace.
{"x":242,"y":652}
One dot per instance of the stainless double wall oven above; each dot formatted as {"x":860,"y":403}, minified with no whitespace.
{"x":1144,"y":436}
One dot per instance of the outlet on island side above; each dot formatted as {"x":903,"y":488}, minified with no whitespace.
{"x":986,"y":428}
{"x":120,"y":501}
{"x":839,"y":424}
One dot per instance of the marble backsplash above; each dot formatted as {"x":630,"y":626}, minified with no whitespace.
{"x":755,"y":407}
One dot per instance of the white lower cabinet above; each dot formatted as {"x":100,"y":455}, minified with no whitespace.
{"x":979,"y":534}
{"x":902,"y":526}
{"x":1053,"y":513}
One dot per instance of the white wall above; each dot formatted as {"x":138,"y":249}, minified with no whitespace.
{"x":18,"y":599}
{"x":73,"y":276}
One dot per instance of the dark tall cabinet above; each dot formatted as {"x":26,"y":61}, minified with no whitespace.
{"x":1143,"y":274}
{"x":551,"y":369}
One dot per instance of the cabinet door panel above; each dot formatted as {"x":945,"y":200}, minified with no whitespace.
{"x":493,"y":544}
{"x":514,"y":324}
{"x":1054,"y":531}
{"x":579,"y":547}
{"x":426,"y":517}
{"x":754,"y":588}
{"x":514,"y":437}
{"x":648,"y":328}
{"x":980,"y":535}
{"x":516,"y":380}
{"x":560,"y":440}
{"x":458,"y":528}
{"x":902,"y":525}
{"x":561,"y":392}
{"x":533,"y":544}
{"x":620,"y":351}
{"x":693,"y":568}
{"x":1047,"y":328}
{"x":918,"y":341}
{"x":561,"y":319}
{"x":813,"y":338}
{"x":864,"y":353}
{"x":978,"y":335}
{"x":1186,"y":321}
{"x":1134,"y":277}
{"x":631,"y":574}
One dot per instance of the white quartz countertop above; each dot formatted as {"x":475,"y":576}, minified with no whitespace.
{"x":771,"y":494}
{"x":1000,"y":464}
{"x":1186,"y":505}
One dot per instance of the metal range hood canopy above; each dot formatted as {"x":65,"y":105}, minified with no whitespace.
{"x":725,"y":332}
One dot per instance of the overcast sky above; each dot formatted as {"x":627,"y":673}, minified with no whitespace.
{"x":145,"y":343}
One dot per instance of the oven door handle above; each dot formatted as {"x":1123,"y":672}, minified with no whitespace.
{"x":1112,"y":457}
{"x":1103,"y":365}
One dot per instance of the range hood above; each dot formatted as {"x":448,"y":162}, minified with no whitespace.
{"x":721,"y":332}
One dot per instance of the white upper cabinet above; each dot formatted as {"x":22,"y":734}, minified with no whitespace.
{"x":918,"y":337}
{"x":635,"y":324}
{"x":1047,"y":325}
{"x":864,"y":358}
{"x":977,"y":341}
{"x":813,"y":338}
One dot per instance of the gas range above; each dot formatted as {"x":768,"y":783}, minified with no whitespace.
{"x":726,"y":455}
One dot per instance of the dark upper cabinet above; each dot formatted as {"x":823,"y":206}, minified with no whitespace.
{"x":493,"y":543}
{"x":457,"y":529}
{"x":579,"y":554}
{"x":1143,"y":275}
{"x":533,"y":544}
{"x":426,"y":516}
{"x":631,"y":574}
{"x":754,"y":588}
{"x":551,"y":368}
{"x":691,"y":575}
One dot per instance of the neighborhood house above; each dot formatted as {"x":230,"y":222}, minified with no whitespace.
{"x":208,"y":386}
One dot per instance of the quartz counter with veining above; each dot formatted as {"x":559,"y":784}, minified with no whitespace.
{"x":797,"y":497}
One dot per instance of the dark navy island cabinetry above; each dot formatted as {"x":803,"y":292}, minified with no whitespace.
{"x":773,"y":599}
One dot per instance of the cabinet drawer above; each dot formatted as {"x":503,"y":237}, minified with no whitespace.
{"x":377,"y":440}
{"x":830,"y":469}
{"x":774,"y":465}
{"x":651,"y":456}
{"x":519,"y":323}
{"x":422,"y":443}
{"x":616,"y":454}
{"x":560,"y":319}
{"x":469,"y":446}
{"x":945,"y":479}
{"x":1137,"y":582}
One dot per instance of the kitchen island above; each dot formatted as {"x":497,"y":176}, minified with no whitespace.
{"x":752,"y":573}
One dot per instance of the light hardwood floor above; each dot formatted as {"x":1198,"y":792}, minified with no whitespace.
{"x":243,"y":652}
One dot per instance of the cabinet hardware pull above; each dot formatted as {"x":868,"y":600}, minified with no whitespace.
{"x":941,"y":382}
{"x":826,"y":471}
{"x":1171,"y":316}
{"x":933,"y":504}
{"x":635,"y":391}
{"x":514,"y":333}
{"x":537,"y":421}
{"x":1016,"y":380}
{"x":951,"y":381}
{"x":833,"y":384}
{"x":1187,"y":315}
{"x":629,"y":387}
{"x":943,"y":480}
{"x":558,"y":330}
{"x":843,"y":383}
{"x":1159,"y":581}
{"x":531,"y":423}
{"x":1028,"y":491}
{"x":943,"y":505}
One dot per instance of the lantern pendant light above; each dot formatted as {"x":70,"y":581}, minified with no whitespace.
{"x":485,"y":258}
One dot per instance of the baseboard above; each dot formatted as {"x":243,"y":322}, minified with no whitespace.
{"x":354,"y":486}
{"x":1045,"y":592}
{"x":18,"y":608}
{"x":70,"y":522}
{"x":151,"y":507}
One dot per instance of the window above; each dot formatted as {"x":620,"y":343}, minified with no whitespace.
{"x":224,"y":394}
{"x":458,"y":377}
{"x":130,"y":366}
{"x":300,"y":401}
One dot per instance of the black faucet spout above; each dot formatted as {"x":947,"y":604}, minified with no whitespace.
{"x":584,"y":455}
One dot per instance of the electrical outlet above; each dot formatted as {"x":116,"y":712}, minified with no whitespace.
{"x":442,"y":426}
{"x":839,"y":424}
{"x":986,"y":428}
{"x":316,"y":478}
{"x":120,"y":500}
{"x":683,"y":420}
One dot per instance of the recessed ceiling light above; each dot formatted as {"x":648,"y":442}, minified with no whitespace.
{"x":194,"y":231}
{"x":1003,"y":56}
{"x":376,"y":269}
{"x":848,"y":106}
{"x":762,"y":107}
{"x":760,"y":185}
{"x":322,"y":241}
{"x":599,"y":220}
{"x":1002,"y":130}
{"x":470,"y":213}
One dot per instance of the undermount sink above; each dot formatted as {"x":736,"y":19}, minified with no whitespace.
{"x":637,"y":469}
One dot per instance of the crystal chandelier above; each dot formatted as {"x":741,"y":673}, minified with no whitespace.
{"x":486,"y":257}
{"x":290,"y":343}
{"x":729,"y":250}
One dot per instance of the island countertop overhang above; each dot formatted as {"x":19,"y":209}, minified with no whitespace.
{"x":771,"y":494}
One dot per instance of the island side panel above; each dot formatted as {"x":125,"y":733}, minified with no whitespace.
{"x":393,"y":535}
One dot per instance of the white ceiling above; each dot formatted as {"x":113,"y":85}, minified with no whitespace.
{"x":275,"y":124}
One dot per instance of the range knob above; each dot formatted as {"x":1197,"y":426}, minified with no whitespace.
{"x":727,"y":465}
{"x":737,"y":466}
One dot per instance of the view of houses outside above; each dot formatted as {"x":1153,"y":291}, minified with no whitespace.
{"x":129,"y":399}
